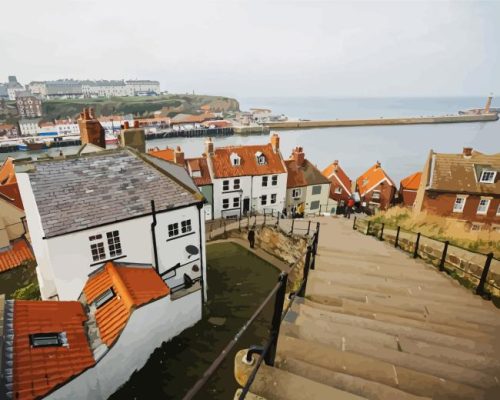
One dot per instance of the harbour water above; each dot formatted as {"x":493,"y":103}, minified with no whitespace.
{"x":402,"y":150}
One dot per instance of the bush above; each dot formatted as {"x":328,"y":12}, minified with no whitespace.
{"x":29,"y":292}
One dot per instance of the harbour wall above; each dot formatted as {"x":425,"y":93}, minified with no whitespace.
{"x":382,"y":121}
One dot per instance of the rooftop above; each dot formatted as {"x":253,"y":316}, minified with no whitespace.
{"x":101,"y":188}
{"x":371,"y":178}
{"x":335,"y":170}
{"x":303,"y":175}
{"x":199,"y":171}
{"x":12,"y":256}
{"x":412,"y":181}
{"x":8,"y":184}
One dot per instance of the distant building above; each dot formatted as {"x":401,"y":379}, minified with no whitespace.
{"x":101,"y":88}
{"x":462,"y":186}
{"x":38,"y":88}
{"x":376,"y":189}
{"x":29,"y":127}
{"x":13,"y":86}
{"x":408,"y":189}
{"x":28,"y":106}
{"x":63,"y":89}
{"x":4,"y":94}
{"x":340,"y":184}
{"x":8,"y":130}
{"x":143,"y":88}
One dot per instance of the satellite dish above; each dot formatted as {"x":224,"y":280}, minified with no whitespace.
{"x":192,"y":250}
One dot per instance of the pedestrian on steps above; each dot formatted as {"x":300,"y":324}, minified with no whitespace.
{"x":251,"y":238}
{"x":348,"y":209}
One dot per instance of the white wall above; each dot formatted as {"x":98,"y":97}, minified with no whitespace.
{"x":322,"y":197}
{"x":219,"y":195}
{"x":259,"y":190}
{"x":148,"y":327}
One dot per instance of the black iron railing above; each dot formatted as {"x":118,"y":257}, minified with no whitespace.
{"x":278,"y":293}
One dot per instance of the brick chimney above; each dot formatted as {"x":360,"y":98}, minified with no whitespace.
{"x":467,"y":152}
{"x":91,"y":130}
{"x":133,"y":137}
{"x":209,"y":147}
{"x":179,"y":156}
{"x":336,"y":165}
{"x":299,"y":156}
{"x":275,"y":142}
{"x":378,"y":165}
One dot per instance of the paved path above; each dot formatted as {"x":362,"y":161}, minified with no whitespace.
{"x":378,"y":324}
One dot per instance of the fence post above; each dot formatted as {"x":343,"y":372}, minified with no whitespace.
{"x":276,"y":322}
{"x":484,"y":275}
{"x":307,"y":265}
{"x":224,"y":226}
{"x":308,"y":228}
{"x":443,"y":257}
{"x":381,"y":237}
{"x":278,"y":219}
{"x":368,"y":227}
{"x":415,"y":251}
{"x":293,"y":222}
{"x":239,"y":223}
{"x":354,"y":224}
{"x":264,"y":224}
{"x":315,"y":248}
{"x":396,"y":242}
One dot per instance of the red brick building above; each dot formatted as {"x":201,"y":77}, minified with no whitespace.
{"x":462,"y":186}
{"x":340,"y":188}
{"x":408,"y":188}
{"x":375,"y":188}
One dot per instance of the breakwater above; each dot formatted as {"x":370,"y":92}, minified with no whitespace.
{"x":451,"y":119}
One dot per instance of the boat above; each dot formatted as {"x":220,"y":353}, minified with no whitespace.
{"x":31,"y":145}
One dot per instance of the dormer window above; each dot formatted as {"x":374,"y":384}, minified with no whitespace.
{"x":104,"y":298}
{"x":52,"y":339}
{"x":235,"y":159}
{"x":488,"y":176}
{"x":261,"y":158}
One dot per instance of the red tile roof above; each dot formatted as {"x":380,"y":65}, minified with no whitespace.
{"x":335,"y":171}
{"x":305,"y":175}
{"x":166,"y":154}
{"x":371,"y":178}
{"x":133,"y":287}
{"x":223,"y":168}
{"x":38,"y":370}
{"x":18,"y":251}
{"x":411,"y":182}
{"x":8,"y":184}
{"x":7,"y":172}
{"x":199,"y":164}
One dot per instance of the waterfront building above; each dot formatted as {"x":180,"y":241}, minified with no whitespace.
{"x":340,"y":183}
{"x":376,"y":189}
{"x":464,"y":187}
{"x":29,"y":127}
{"x":246,"y":179}
{"x":307,"y":190}
{"x":63,"y":89}
{"x":104,"y":88}
{"x":13,"y":87}
{"x":8,"y":130}
{"x":408,"y":189}
{"x":28,"y":106}
{"x":143,"y":87}
{"x":37,"y":88}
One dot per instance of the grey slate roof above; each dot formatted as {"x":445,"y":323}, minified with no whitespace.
{"x":96,"y":189}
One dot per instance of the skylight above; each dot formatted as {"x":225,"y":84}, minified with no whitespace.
{"x":104,"y":298}
{"x":55,"y":339}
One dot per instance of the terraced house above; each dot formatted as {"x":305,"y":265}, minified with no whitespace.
{"x":462,"y":186}
{"x":376,"y":189}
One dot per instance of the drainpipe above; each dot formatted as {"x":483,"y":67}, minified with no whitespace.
{"x":200,"y":208}
{"x":153,"y":234}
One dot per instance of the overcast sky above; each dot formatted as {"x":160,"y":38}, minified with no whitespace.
{"x":259,"y":47}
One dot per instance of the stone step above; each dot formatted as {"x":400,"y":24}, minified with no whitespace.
{"x":416,"y":333}
{"x":248,"y":396}
{"x":361,"y":342}
{"x":352,"y":384}
{"x":388,"y":374}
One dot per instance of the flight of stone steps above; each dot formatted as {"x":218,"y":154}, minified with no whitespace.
{"x":377,"y":324}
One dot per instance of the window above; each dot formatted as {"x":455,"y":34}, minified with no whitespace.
{"x":459,"y":204}
{"x":97,"y":248}
{"x":261,"y":160}
{"x":296,"y":193}
{"x":273,"y":198}
{"x":476,"y":227}
{"x":235,"y":159}
{"x":104,"y":298}
{"x":274,"y":180}
{"x":225,"y":185}
{"x":173,"y":229}
{"x":186,"y":226}
{"x":263,"y":200}
{"x":236,"y":202}
{"x":314,"y":205}
{"x":488,"y":176}
{"x":376,"y":195}
{"x":338,"y":190}
{"x":265,"y":179}
{"x":482,"y":208}
{"x":316,"y":190}
{"x":236,"y":184}
{"x":114,"y":245}
{"x":225,"y":203}
{"x":48,"y":339}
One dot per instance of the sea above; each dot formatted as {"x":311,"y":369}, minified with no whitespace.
{"x":402,"y":150}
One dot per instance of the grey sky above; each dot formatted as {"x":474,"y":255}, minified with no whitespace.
{"x":259,"y":47}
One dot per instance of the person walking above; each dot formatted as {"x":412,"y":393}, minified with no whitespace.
{"x":348,"y":209}
{"x":251,"y":238}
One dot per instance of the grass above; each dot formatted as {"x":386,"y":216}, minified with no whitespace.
{"x":20,"y":282}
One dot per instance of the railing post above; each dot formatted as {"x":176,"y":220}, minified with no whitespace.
{"x":484,"y":275}
{"x":264,"y":224}
{"x":315,"y":248}
{"x":368,"y":227}
{"x":276,"y":322}
{"x":278,"y":219}
{"x":354,"y":223}
{"x":307,"y":265}
{"x":293,"y":222}
{"x":396,"y":241}
{"x":239,"y":223}
{"x":415,"y":251}
{"x":381,"y":237}
{"x":443,"y":257}
{"x":308,"y":228}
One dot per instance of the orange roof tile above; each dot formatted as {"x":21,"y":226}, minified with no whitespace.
{"x":166,"y":154}
{"x":412,"y":182}
{"x":7,"y":172}
{"x":15,"y":254}
{"x":38,"y":370}
{"x":223,"y":168}
{"x":199,"y":164}
{"x":334,"y":171}
{"x":133,"y":287}
{"x":371,"y":178}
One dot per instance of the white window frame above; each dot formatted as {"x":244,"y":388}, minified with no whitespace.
{"x":265,"y":181}
{"x":338,"y":190}
{"x":263,"y":200}
{"x":225,"y":204}
{"x":236,"y":202}
{"x":376,"y":195}
{"x":114,"y":243}
{"x":315,"y":187}
{"x":462,"y":203}
{"x":236,"y":184}
{"x":274,"y":198}
{"x":479,"y":210}
{"x":97,"y":245}
{"x":489,"y":172}
{"x":296,"y":193}
{"x":225,"y":185}
{"x":274,"y":180}
{"x":261,"y":160}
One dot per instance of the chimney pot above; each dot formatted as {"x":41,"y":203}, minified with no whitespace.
{"x":91,"y":130}
{"x":299,"y":156}
{"x":275,"y":142}
{"x":467,"y":151}
{"x":126,"y":125}
{"x":136,"y":123}
{"x":179,"y":156}
{"x":209,"y":147}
